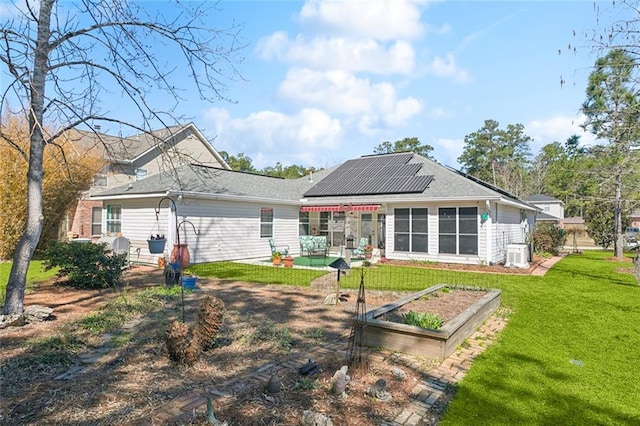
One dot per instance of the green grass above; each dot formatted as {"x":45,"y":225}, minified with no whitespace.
{"x":35,"y":274}
{"x":569,"y":354}
{"x":255,"y":273}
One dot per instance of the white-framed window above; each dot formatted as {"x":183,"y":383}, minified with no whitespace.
{"x":114,"y":218}
{"x":141,"y":174}
{"x":96,"y":221}
{"x":266,"y":222}
{"x":303,"y":223}
{"x":458,"y":230}
{"x":411,"y":230}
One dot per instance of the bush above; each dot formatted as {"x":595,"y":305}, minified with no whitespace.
{"x":423,"y":319}
{"x":548,"y":238}
{"x":86,"y":265}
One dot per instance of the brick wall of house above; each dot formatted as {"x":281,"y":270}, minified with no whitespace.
{"x":81,"y":223}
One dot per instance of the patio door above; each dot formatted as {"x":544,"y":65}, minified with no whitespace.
{"x":332,"y":226}
{"x":366,"y":227}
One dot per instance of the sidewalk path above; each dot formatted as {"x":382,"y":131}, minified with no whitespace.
{"x":545,"y":266}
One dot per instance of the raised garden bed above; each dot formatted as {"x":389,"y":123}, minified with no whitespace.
{"x":427,"y":342}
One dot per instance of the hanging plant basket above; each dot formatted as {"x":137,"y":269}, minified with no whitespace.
{"x":156,"y":246}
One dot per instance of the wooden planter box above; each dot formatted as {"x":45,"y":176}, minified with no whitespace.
{"x":426,"y":342}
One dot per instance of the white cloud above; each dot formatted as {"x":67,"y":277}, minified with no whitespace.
{"x":440,"y":113}
{"x":447,"y":151}
{"x":446,"y":67}
{"x":268,"y":137}
{"x":343,"y":93}
{"x":355,"y":55}
{"x":376,"y":19}
{"x":557,"y":129}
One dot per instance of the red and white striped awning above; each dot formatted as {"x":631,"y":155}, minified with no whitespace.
{"x":345,"y":208}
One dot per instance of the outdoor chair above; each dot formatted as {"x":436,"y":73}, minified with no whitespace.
{"x":283,"y":250}
{"x":359,"y":251}
{"x":314,"y":246}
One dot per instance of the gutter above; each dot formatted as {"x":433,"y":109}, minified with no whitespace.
{"x":200,"y":195}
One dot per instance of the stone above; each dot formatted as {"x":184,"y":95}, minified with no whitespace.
{"x":311,"y":418}
{"x":379,"y":391}
{"x":37,"y":313}
{"x":310,"y":369}
{"x":32,"y":313}
{"x":331,"y":299}
{"x":274,"y":385}
{"x":398,"y":373}
{"x":340,"y":380}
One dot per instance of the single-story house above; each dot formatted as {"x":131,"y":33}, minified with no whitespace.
{"x":402,"y":203}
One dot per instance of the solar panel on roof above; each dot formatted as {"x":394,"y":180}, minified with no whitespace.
{"x":373,"y":175}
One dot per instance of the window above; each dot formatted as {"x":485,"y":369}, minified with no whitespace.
{"x":303,"y":223}
{"x":266,"y":222}
{"x":114,"y":219}
{"x":96,"y":221}
{"x":141,"y":174}
{"x":100,"y":180}
{"x":458,"y":230}
{"x":411,"y":230}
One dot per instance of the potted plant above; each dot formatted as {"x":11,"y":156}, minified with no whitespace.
{"x":156,"y":243}
{"x":276,"y":257}
{"x":287,"y":261}
{"x":368,"y":251}
{"x":189,"y":279}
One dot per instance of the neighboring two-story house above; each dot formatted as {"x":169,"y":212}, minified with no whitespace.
{"x":552,"y":208}
{"x":130,"y":159}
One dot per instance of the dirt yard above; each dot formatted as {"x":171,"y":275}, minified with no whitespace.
{"x":126,"y":377}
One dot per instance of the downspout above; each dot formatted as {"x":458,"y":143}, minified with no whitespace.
{"x":489,"y":235}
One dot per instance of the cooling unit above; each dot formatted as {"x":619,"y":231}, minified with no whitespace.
{"x":517,"y":255}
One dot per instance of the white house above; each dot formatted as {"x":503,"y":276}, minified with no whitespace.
{"x":552,"y":209}
{"x":411,"y":206}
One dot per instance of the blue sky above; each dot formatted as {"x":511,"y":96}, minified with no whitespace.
{"x":326,"y":81}
{"x":329,"y":81}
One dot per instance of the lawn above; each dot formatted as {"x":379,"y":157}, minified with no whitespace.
{"x":569,"y":354}
{"x":35,"y":274}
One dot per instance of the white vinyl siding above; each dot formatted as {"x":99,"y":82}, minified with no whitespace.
{"x":228,"y":230}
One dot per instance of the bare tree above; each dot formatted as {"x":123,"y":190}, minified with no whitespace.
{"x":64,"y":58}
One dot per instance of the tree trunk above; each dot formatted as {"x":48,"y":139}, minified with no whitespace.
{"x":14,"y":300}
{"x":618,"y":243}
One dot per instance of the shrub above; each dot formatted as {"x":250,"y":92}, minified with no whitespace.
{"x":548,"y":238}
{"x":424,"y":320}
{"x":86,"y":265}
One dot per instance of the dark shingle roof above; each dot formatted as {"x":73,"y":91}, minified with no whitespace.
{"x":444,"y":184}
{"x":122,"y":148}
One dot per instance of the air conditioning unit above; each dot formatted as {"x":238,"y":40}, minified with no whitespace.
{"x":517,"y":255}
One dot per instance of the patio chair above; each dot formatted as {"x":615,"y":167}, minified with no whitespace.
{"x":283,"y":250}
{"x":359,"y":251}
{"x":314,"y":246}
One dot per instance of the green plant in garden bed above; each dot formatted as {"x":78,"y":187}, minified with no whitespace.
{"x":423,"y":319}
